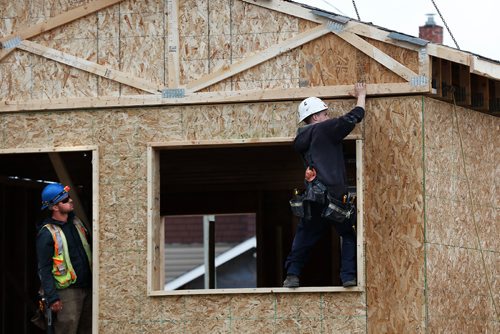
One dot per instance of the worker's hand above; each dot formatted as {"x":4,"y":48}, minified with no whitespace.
{"x":359,"y":89}
{"x":56,"y":306}
{"x":360,"y":94}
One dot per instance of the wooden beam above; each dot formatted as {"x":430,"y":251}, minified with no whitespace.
{"x":155,"y":230}
{"x":293,"y":9}
{"x":484,"y":68}
{"x":173,"y":44}
{"x":257,"y":95}
{"x":445,"y":52}
{"x":377,"y":55}
{"x":425,"y":65}
{"x":88,"y":66}
{"x":56,"y":21}
{"x":96,"y":254}
{"x":360,"y":250}
{"x":257,"y":58}
{"x":65,"y":178}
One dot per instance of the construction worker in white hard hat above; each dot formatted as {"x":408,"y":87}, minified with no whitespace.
{"x":64,"y":264}
{"x":325,"y":200}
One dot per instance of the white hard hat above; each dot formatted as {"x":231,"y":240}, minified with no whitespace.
{"x":310,"y":106}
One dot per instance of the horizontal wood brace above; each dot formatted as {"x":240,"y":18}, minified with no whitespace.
{"x":257,"y":95}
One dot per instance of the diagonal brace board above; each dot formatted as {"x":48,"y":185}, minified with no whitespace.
{"x":65,"y":178}
{"x":88,"y":66}
{"x":257,"y":58}
{"x":55,"y":22}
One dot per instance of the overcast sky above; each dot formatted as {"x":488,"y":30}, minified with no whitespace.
{"x":474,"y":24}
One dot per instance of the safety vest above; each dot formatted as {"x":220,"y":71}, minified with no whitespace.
{"x":62,"y":269}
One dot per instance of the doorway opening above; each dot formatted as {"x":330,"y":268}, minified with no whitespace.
{"x":23,"y":175}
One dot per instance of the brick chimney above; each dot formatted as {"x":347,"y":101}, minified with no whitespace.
{"x":431,"y":31}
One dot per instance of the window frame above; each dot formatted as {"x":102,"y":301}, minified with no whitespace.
{"x":155,"y":228}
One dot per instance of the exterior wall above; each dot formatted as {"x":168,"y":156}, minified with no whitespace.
{"x":394,"y":216}
{"x":121,"y":136}
{"x":400,"y":266}
{"x":462,"y":228}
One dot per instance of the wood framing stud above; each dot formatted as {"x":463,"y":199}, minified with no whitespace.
{"x":173,"y":43}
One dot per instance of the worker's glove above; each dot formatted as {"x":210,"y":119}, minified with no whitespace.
{"x":56,"y":306}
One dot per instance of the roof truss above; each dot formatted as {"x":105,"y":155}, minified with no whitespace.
{"x":351,"y":32}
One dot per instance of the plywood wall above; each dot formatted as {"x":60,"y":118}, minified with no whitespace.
{"x":462,"y":219}
{"x":132,"y":36}
{"x":121,"y":136}
{"x":394,"y":216}
{"x":416,"y":281}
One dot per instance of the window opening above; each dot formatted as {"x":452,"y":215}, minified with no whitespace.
{"x":249,"y":185}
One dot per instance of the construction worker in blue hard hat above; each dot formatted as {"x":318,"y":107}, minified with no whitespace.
{"x":64,"y":262}
{"x":325,"y":201}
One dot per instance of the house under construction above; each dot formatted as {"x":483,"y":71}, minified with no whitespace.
{"x":154,"y":111}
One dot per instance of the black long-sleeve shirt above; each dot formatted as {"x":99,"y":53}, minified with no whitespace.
{"x":320,"y":144}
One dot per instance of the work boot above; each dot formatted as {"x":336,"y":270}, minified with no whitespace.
{"x":349,"y":283}
{"x":291,"y":281}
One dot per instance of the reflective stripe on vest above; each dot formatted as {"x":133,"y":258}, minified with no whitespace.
{"x":82,"y":231}
{"x":62,"y":269}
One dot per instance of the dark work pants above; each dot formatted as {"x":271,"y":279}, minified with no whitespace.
{"x":76,"y":314}
{"x":307,"y":235}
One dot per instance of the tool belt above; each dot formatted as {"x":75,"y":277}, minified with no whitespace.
{"x":316,"y":192}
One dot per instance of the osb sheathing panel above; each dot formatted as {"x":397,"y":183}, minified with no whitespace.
{"x":393,"y":178}
{"x":121,"y":136}
{"x":16,"y":72}
{"x":462,"y":228}
{"x":238,"y":30}
{"x":407,"y":57}
{"x":329,"y":60}
{"x":132,"y":37}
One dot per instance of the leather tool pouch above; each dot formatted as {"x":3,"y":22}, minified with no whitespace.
{"x":337,"y":211}
{"x":315,"y":192}
{"x":297,"y":205}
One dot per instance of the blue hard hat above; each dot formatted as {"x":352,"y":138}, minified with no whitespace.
{"x":53,"y":194}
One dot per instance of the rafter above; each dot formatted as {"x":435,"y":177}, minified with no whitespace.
{"x":257,"y":58}
{"x":54,"y":22}
{"x":88,"y":66}
{"x":359,"y":28}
